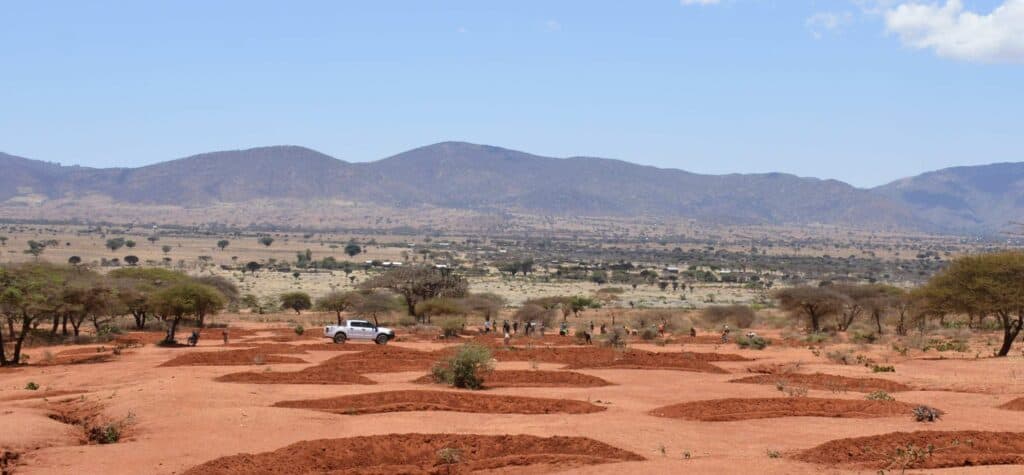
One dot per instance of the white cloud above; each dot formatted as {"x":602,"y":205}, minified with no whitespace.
{"x":953,"y":32}
{"x":699,"y":2}
{"x":823,"y":22}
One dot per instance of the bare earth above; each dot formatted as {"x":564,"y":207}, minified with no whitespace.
{"x":198,"y":410}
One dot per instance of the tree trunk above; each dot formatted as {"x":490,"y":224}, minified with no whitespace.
{"x":3,"y":349}
{"x":878,"y":322}
{"x":339,"y":318}
{"x":814,"y":323}
{"x":171,"y":330}
{"x":56,"y":324}
{"x":16,"y":356}
{"x":140,"y":319}
{"x":1011,"y":328}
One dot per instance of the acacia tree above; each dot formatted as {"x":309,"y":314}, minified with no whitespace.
{"x":417,"y":284}
{"x":986,"y":284}
{"x":28,"y":293}
{"x":185,"y":299}
{"x":266,"y":241}
{"x":884,"y":299}
{"x":297,"y":301}
{"x":486,"y":304}
{"x":223,"y":243}
{"x":135,"y":285}
{"x":438,"y":306}
{"x":375,"y":303}
{"x":813,"y":303}
{"x":338,"y":302}
{"x":352,"y":249}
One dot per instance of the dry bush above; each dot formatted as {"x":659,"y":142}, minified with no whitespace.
{"x":740,"y":316}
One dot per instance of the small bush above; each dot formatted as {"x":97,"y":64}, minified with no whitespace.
{"x":926,"y":414}
{"x":774,"y":454}
{"x":466,"y":368}
{"x":879,"y":396}
{"x":756,"y":342}
{"x":869,"y":337}
{"x":882,"y":369}
{"x":299,"y":330}
{"x":32,"y":386}
{"x":649,"y":333}
{"x":616,"y":338}
{"x":451,"y":327}
{"x":105,"y":434}
{"x":840,"y":356}
{"x":449,"y":456}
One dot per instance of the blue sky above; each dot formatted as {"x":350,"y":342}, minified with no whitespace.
{"x":865,"y":91}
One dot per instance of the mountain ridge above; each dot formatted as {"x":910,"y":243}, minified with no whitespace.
{"x":462,"y":175}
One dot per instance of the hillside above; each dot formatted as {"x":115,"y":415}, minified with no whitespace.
{"x":460,"y":175}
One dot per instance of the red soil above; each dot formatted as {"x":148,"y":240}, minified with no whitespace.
{"x":39,"y":394}
{"x":93,"y":354}
{"x":534,"y":379}
{"x":316,"y":375}
{"x":420,"y":454}
{"x":404,"y":401}
{"x":829,"y":382}
{"x":596,"y":357}
{"x":271,"y":348}
{"x":950,"y":449}
{"x":229,"y":358}
{"x":1014,"y":405}
{"x":738,"y":409}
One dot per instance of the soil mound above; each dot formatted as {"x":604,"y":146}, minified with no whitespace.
{"x":271,"y":348}
{"x":1014,"y":405}
{"x":420,"y":454}
{"x":828,"y":382}
{"x":533,"y":379}
{"x":230,"y":358}
{"x":595,"y":357}
{"x":316,"y":375}
{"x":455,"y":401}
{"x":738,"y":409}
{"x":906,"y":450}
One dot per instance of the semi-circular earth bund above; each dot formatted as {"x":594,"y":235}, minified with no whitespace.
{"x":421,"y":454}
{"x":738,"y":409}
{"x":454,"y":401}
{"x":920,"y":450}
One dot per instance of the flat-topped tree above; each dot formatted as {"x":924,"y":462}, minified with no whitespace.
{"x":986,"y":284}
{"x":28,"y":293}
{"x":419,"y":283}
{"x":813,"y":303}
{"x":185,"y":299}
{"x":297,"y":301}
{"x":338,"y":302}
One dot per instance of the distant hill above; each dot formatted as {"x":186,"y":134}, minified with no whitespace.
{"x":460,"y":175}
{"x":963,"y":198}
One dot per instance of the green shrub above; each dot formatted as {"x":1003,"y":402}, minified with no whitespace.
{"x":452,"y":327}
{"x":756,"y":342}
{"x":466,"y":368}
{"x":868,"y":337}
{"x":32,"y":386}
{"x":880,"y":396}
{"x":882,"y":369}
{"x":299,"y":330}
{"x":840,"y":356}
{"x":649,"y":333}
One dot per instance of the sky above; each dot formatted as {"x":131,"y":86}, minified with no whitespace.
{"x":864,"y":91}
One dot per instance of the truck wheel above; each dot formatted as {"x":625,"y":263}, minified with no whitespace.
{"x":381,"y":340}
{"x":339,"y":337}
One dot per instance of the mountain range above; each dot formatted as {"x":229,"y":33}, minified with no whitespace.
{"x":460,"y":175}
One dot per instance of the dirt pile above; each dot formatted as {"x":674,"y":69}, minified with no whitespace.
{"x":420,"y":454}
{"x":738,"y":409}
{"x":319,"y":374}
{"x":533,"y":379}
{"x":920,"y":450}
{"x":87,"y":416}
{"x":596,"y":357}
{"x":455,"y":401}
{"x":230,"y":358}
{"x":1014,"y":405}
{"x":828,"y":382}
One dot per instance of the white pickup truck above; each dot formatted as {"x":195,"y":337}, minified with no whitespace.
{"x":359,"y":330}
